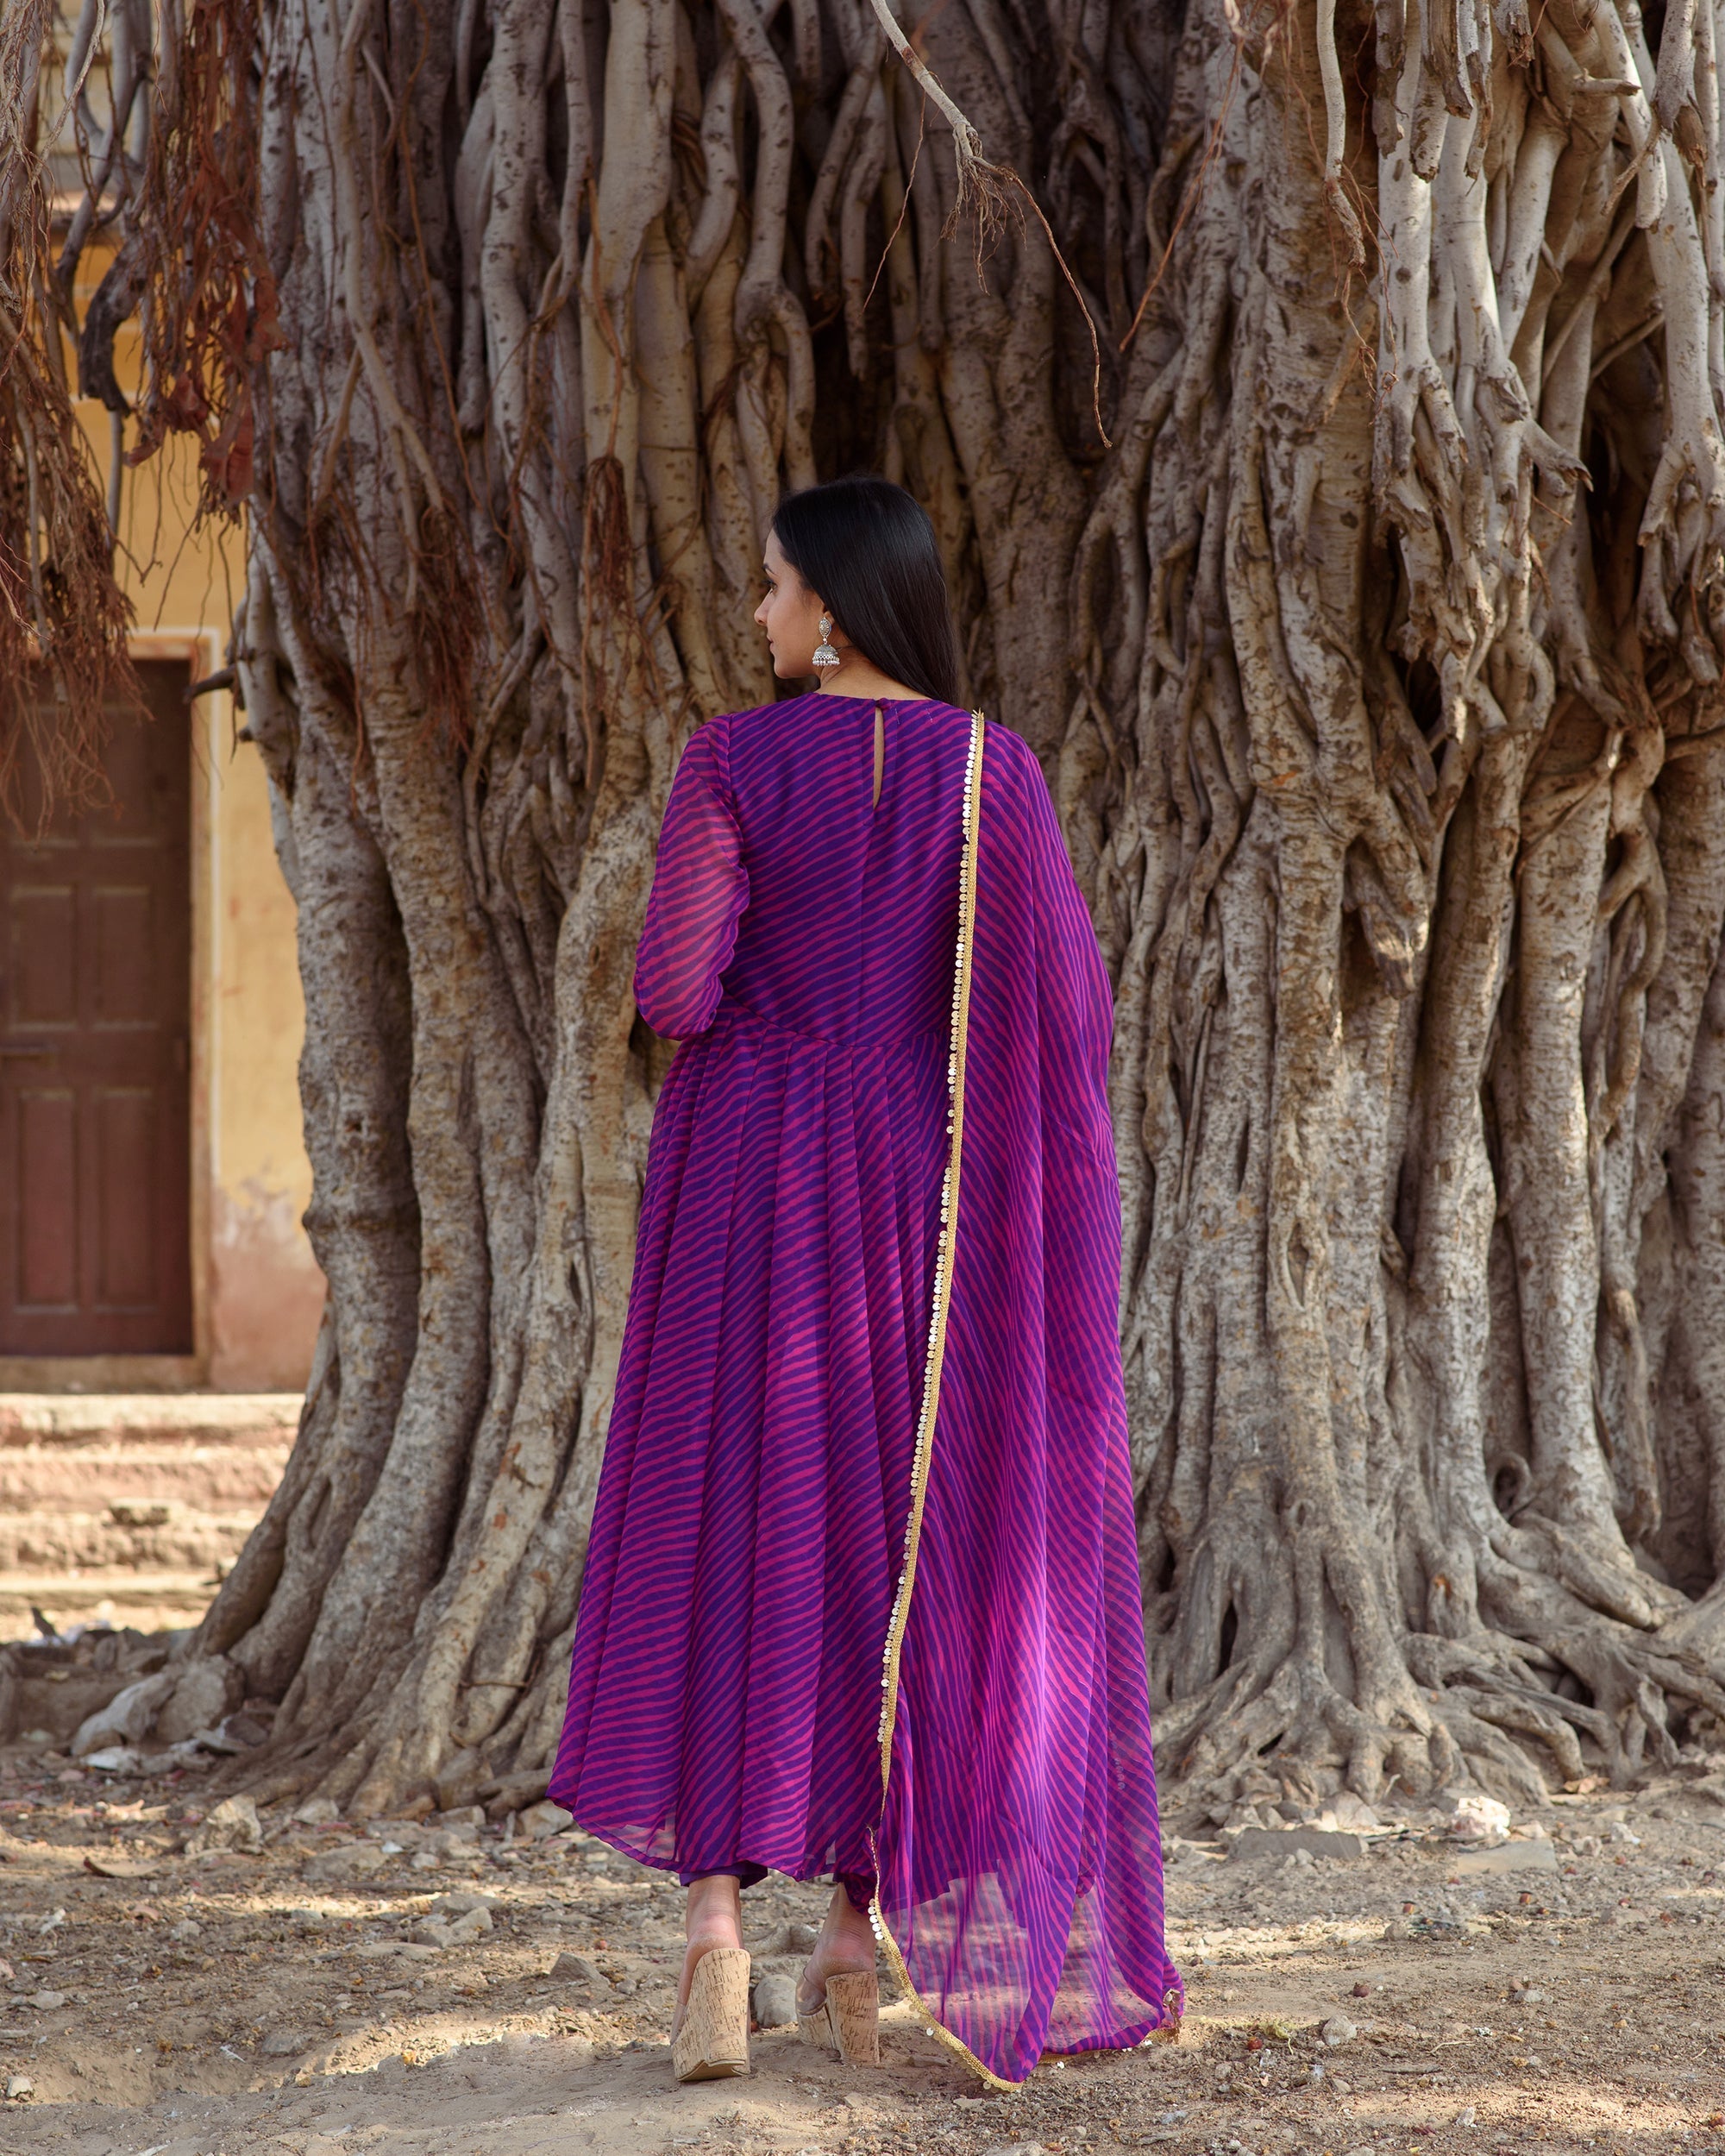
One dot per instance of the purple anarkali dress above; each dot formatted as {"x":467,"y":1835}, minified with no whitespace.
{"x":862,"y":1592}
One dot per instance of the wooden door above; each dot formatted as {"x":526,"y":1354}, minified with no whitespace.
{"x":95,"y":1056}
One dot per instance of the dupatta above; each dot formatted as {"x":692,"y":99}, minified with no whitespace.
{"x":1018,"y":1896}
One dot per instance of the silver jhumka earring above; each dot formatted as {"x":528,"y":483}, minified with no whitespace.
{"x":824,"y":656}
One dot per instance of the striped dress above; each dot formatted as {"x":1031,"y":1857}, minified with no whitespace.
{"x":725,"y":1697}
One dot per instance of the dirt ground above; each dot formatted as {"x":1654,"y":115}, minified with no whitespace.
{"x":1555,"y":1993}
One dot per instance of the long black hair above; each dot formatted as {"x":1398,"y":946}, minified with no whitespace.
{"x":869,"y":550}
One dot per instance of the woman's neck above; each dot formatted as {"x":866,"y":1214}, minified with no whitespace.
{"x":855,"y":676}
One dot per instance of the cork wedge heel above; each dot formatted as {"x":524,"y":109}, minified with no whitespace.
{"x":712,"y":2040}
{"x":847,"y":2021}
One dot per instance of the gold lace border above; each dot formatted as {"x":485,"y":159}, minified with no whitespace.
{"x":945,"y":1252}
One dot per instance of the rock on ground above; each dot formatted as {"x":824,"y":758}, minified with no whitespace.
{"x":234,"y":1824}
{"x":204,"y":1692}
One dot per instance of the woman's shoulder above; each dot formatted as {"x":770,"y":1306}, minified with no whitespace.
{"x":727,"y":731}
{"x":764,"y":728}
{"x":756,"y":714}
{"x":1010,"y":754}
{"x":1003,"y":741}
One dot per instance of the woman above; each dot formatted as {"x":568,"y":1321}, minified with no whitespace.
{"x":861,"y":1595}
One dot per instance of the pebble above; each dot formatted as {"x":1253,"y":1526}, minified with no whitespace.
{"x":775,"y":2000}
{"x":1468,"y":2117}
{"x":1337,"y":2031}
{"x":317,"y":1812}
{"x":20,"y":2086}
{"x":539,"y":1821}
{"x":1289,"y":1841}
{"x":185,"y":1931}
{"x":127,"y":1716}
{"x":48,"y":2002}
{"x":1529,"y":1855}
{"x":121,"y":1759}
{"x":1440,"y":1925}
{"x":234,"y":1824}
{"x":440,"y":1931}
{"x":576,"y":1969}
{"x":1479,"y":1819}
{"x":284,"y":2043}
{"x":346,"y":1863}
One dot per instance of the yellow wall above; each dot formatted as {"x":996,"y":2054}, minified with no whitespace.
{"x":257,"y":1288}
{"x":265,"y":1289}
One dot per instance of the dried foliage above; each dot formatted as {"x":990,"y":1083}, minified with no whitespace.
{"x":190,"y":239}
{"x":62,"y":619}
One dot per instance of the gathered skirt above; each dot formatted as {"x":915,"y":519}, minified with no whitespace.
{"x":725,"y":1684}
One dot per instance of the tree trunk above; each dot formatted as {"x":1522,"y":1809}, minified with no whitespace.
{"x":1418,"y":902}
{"x":1373,"y":662}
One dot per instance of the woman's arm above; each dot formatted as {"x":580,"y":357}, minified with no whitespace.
{"x":1073,"y":989}
{"x":700,"y":889}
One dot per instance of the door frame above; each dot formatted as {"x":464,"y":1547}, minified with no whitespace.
{"x":209,"y":723}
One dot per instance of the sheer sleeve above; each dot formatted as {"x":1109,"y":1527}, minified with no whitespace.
{"x":700,"y":889}
{"x":1073,"y":987}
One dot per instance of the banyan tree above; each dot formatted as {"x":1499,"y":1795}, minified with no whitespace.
{"x":1319,"y":410}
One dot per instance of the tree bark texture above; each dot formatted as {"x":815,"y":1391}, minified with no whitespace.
{"x":1373,"y":658}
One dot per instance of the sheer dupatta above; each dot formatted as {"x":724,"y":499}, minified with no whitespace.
{"x":1020,"y":1894}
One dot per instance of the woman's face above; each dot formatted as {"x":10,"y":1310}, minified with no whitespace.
{"x":790,"y":613}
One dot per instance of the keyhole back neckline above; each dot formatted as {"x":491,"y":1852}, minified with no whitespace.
{"x":838,"y":696}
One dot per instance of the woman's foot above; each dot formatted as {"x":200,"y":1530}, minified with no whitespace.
{"x":715,"y":1919}
{"x":845,"y":1948}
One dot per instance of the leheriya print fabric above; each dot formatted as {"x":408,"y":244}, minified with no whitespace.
{"x":865,"y":1510}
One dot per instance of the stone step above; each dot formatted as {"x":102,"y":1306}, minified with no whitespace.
{"x":150,"y":1602}
{"x":159,"y":1536}
{"x":83,"y":1454}
{"x":32,"y":1421}
{"x":130,"y":1507}
{"x":203,"y":1477}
